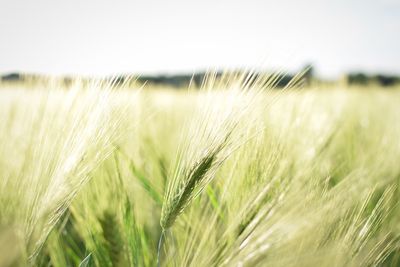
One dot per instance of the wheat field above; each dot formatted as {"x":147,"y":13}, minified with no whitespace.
{"x":234,"y":174}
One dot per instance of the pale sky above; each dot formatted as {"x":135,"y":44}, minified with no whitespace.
{"x":98,"y":37}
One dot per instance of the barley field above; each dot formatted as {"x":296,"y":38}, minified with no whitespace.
{"x":234,"y":174}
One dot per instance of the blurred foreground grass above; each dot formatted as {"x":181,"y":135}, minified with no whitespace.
{"x":262,"y":178}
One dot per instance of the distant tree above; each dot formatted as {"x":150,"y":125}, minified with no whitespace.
{"x":358,"y":78}
{"x":12,"y":77}
{"x":385,"y":80}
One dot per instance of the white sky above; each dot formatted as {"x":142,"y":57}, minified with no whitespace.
{"x":100,"y":37}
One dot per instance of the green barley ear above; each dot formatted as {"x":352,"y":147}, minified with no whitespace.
{"x":200,"y":172}
{"x":222,"y":123}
